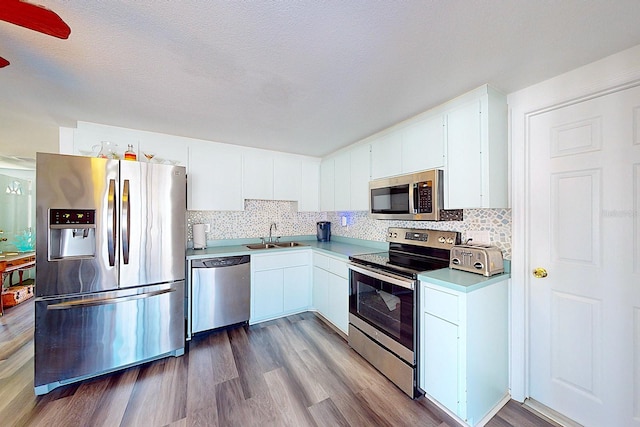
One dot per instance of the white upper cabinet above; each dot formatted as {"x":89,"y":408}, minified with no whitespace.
{"x":345,"y":180}
{"x":423,"y":145}
{"x":413,"y":146}
{"x":269,"y":175}
{"x":287,"y":177}
{"x":327,"y":180}
{"x":476,"y":148}
{"x":360,"y":163}
{"x":220,"y":176}
{"x":214,"y":177}
{"x":257,"y":175}
{"x":386,"y":155}
{"x":464,"y":163}
{"x":467,"y":137}
{"x":342,"y":181}
{"x":309,"y":199}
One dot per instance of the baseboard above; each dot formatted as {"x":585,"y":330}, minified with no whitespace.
{"x":549,"y":414}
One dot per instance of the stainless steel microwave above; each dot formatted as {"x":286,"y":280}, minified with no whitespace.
{"x":418,"y":196}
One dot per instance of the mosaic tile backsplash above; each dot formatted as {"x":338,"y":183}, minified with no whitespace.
{"x":258,"y":215}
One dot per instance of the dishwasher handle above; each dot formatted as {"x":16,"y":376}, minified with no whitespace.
{"x":229,"y":261}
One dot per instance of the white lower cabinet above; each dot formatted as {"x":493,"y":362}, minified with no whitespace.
{"x":463,"y":349}
{"x":320,"y":289}
{"x":280,"y":284}
{"x":331,"y":290}
{"x":267,"y":293}
{"x":338,"y":301}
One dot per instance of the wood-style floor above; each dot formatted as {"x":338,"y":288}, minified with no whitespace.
{"x":294,"y":371}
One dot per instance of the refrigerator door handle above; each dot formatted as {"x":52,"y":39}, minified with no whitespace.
{"x":126,"y":221}
{"x":102,"y":301}
{"x":111,"y":222}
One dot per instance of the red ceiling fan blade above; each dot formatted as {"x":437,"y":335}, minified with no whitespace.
{"x":34,"y":17}
{"x":3,"y":62}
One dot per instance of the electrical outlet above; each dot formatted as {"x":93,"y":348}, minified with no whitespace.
{"x":207,"y":228}
{"x":478,"y":237}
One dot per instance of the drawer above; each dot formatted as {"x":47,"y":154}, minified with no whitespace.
{"x":339,"y":268}
{"x":439,"y":303}
{"x":320,"y":261}
{"x":279,"y":260}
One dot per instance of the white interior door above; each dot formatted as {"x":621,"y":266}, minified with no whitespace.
{"x":584,"y":324}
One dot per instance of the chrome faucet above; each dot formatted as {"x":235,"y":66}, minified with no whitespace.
{"x":271,"y":228}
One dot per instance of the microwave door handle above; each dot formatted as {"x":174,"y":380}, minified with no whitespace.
{"x":415,"y":195}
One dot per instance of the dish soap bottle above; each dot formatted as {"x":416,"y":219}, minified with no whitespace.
{"x":130,"y":154}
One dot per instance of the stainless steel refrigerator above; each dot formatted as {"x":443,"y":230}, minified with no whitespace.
{"x":110,"y":266}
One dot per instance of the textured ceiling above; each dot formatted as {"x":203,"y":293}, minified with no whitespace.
{"x":297,"y":76}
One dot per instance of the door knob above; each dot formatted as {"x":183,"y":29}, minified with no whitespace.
{"x":539,"y":273}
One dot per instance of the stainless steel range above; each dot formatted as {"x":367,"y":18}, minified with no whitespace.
{"x":383,"y":300}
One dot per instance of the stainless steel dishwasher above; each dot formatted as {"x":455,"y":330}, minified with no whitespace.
{"x":221,"y":289}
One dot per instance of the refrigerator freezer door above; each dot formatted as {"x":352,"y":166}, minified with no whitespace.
{"x":152,"y":223}
{"x":84,"y":184}
{"x":85,"y":336}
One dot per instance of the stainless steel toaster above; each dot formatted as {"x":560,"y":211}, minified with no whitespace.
{"x":481,"y":259}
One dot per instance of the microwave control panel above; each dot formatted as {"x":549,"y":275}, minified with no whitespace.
{"x":425,"y":197}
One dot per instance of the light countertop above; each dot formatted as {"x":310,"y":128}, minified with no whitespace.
{"x":338,"y":246}
{"x":343,"y":247}
{"x":463,"y":281}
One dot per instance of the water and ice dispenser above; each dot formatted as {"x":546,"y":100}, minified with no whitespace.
{"x":72,"y":233}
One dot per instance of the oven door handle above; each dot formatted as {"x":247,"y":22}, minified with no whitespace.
{"x":394,"y":280}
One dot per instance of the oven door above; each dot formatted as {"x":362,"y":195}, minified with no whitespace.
{"x":383,"y":306}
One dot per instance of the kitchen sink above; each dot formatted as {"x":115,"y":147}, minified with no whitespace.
{"x":275,"y":245}
{"x":262,"y":246}
{"x":289,"y":244}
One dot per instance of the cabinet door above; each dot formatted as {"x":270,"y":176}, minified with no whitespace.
{"x":267,"y":294}
{"x":320,"y":290}
{"x":338,"y":302}
{"x":257,"y":175}
{"x":287,"y":174}
{"x":360,"y":175}
{"x":439,"y":360}
{"x":327,"y":181}
{"x":386,"y":155}
{"x":309,"y":197}
{"x":423,"y":145}
{"x":297,"y":293}
{"x":342,"y":182}
{"x":215,"y":178}
{"x":463,"y":174}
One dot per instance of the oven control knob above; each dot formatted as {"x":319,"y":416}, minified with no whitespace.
{"x":450,"y":241}
{"x":441,"y":239}
{"x":478,"y":265}
{"x":455,"y":261}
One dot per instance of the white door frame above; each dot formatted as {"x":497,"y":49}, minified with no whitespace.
{"x":611,"y":73}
